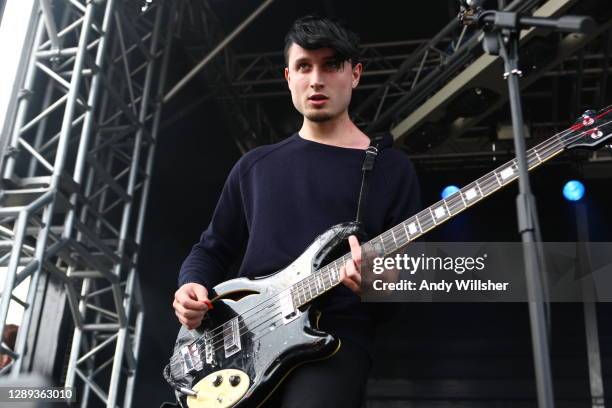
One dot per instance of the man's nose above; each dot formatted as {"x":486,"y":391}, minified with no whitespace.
{"x":316,"y":79}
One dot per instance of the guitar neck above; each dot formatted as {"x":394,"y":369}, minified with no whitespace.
{"x":399,"y":236}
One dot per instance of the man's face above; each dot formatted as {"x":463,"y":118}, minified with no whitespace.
{"x":321,"y":87}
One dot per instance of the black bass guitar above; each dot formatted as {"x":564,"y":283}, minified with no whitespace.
{"x":260,"y":329}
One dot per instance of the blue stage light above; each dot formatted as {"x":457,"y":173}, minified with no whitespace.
{"x":573,"y":190}
{"x":449,"y":190}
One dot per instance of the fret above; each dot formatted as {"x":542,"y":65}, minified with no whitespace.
{"x":497,"y":177}
{"x":416,"y":217}
{"x":293,"y":298}
{"x":325,"y":280}
{"x":404,"y":239}
{"x":537,"y":155}
{"x":297,"y":296}
{"x":455,"y":203}
{"x":385,"y":235}
{"x":406,"y":230}
{"x":430,"y":222}
{"x":432,"y":216}
{"x":382,"y":242}
{"x":322,"y":279}
{"x":394,"y":240}
{"x":532,"y":161}
{"x":462,"y":199}
{"x":479,"y":189}
{"x":298,"y":292}
{"x":447,"y":209}
{"x":490,"y":185}
{"x":332,"y":276}
{"x":311,"y":290}
{"x":303,"y":290}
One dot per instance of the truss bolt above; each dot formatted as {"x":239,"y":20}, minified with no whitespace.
{"x":12,"y":151}
{"x":24,"y":93}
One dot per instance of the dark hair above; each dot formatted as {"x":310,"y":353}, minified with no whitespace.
{"x":313,"y":32}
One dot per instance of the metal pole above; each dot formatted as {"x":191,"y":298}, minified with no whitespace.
{"x":590,"y":311}
{"x":147,"y":183}
{"x":24,"y":101}
{"x":123,"y":331}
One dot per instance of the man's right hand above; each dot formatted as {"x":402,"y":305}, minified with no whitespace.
{"x":190,"y":304}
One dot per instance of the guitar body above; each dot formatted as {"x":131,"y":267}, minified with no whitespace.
{"x":254,"y":335}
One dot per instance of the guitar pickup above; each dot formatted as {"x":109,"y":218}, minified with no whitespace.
{"x":231,"y":337}
{"x":288,"y":307}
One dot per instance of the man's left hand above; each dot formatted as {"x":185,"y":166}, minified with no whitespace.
{"x":350,"y":273}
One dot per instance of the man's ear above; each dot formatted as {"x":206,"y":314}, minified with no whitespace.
{"x":287,"y":75}
{"x":357,"y":70}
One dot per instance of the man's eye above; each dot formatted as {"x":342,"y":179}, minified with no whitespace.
{"x":333,"y":65}
{"x":301,"y":67}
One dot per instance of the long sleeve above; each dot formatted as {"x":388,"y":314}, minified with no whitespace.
{"x":221,"y":243}
{"x":407,"y":201}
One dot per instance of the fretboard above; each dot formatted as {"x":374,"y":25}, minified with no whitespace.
{"x":399,"y":236}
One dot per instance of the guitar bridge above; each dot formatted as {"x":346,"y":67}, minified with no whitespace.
{"x":191,"y":358}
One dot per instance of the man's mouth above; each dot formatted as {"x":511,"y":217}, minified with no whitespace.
{"x":317,"y":97}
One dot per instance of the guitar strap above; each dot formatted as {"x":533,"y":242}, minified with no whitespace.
{"x":367,"y":167}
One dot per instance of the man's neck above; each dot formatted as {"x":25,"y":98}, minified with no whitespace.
{"x":340,"y":132}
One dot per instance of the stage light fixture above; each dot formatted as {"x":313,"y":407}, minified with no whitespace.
{"x":573,"y":190}
{"x":449,"y":190}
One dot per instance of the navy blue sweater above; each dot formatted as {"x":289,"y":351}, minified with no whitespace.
{"x":279,"y":197}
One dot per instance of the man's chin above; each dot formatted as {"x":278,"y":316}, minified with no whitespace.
{"x":319,"y":116}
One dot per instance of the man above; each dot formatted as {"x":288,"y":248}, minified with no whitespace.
{"x":278,"y":198}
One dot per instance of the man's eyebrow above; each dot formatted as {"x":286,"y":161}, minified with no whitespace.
{"x":307,"y":59}
{"x":300,"y":60}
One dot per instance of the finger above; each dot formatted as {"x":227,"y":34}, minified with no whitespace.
{"x":181,"y":319}
{"x":348,"y":281}
{"x":352,"y":272}
{"x":192,"y":314}
{"x":188,"y":313}
{"x":352,"y":285}
{"x":200,"y":292}
{"x":189,"y":323}
{"x":355,"y":250}
{"x":183,"y":299}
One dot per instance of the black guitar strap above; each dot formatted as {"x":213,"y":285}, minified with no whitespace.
{"x":368,"y":164}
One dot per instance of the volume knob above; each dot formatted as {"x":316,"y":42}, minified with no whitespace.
{"x":218,"y":380}
{"x":234,"y":380}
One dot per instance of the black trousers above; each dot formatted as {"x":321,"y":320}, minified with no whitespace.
{"x":336,"y":382}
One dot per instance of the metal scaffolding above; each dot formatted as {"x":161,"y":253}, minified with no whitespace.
{"x":75,"y":180}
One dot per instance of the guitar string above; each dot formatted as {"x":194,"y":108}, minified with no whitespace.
{"x":490,"y":179}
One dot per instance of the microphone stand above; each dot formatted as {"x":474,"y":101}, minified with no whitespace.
{"x":502,"y":31}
